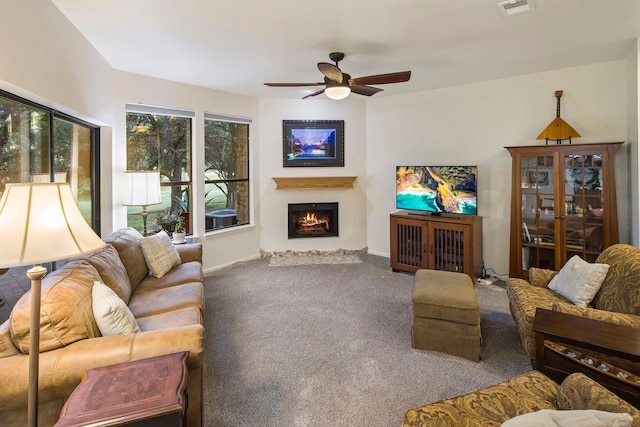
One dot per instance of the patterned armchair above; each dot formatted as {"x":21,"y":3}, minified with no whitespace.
{"x":617,"y":301}
{"x":519,"y":395}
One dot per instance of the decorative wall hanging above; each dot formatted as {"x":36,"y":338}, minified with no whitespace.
{"x":558,"y":129}
{"x":312,"y":143}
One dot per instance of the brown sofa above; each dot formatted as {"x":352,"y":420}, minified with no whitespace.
{"x":519,"y":395}
{"x":617,"y":301}
{"x":168,"y":311}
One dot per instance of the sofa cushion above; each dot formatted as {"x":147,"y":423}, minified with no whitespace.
{"x":579,"y":281}
{"x":582,"y":418}
{"x":489,"y":406}
{"x":524,"y":298}
{"x":110,"y":268}
{"x":66,"y":314}
{"x":126,"y":241}
{"x":183,"y":273}
{"x":160,"y":253}
{"x":111,"y":313}
{"x":6,"y":345}
{"x":172,"y":319}
{"x":620,"y":291}
{"x":167,"y":299}
{"x":631,"y":320}
{"x":578,"y":391}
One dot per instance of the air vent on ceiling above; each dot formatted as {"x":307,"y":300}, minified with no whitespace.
{"x":512,"y":7}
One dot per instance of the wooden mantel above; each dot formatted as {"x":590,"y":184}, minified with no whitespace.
{"x":314,"y":182}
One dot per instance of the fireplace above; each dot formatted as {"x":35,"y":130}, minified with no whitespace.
{"x":313,"y":220}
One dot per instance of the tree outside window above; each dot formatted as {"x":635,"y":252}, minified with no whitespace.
{"x":226,"y":173}
{"x":29,"y":146}
{"x":159,"y":142}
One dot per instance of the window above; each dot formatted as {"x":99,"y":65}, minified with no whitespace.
{"x":38,"y":144}
{"x":159,"y":139}
{"x":226,"y":154}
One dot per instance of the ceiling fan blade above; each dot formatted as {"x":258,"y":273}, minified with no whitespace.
{"x":293,"y":84}
{"x":331,"y":71}
{"x":380,"y":79}
{"x":313,"y":94}
{"x":365,"y":90}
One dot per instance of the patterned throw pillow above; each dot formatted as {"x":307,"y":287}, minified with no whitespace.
{"x":112,"y":315}
{"x":578,"y":281}
{"x":159,"y":253}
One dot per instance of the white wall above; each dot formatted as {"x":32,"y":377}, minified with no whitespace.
{"x":219,"y":248}
{"x":351,"y":202}
{"x":46,"y":60}
{"x":472,"y":124}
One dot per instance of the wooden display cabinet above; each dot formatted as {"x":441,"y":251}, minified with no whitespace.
{"x":448,"y":242}
{"x":563,"y":203}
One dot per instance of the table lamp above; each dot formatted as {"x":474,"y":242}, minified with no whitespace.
{"x":142,"y":188}
{"x":41,"y":223}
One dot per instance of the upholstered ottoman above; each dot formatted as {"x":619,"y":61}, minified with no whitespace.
{"x":446,"y":314}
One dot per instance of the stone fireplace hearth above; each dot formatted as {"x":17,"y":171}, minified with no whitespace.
{"x":312,"y":220}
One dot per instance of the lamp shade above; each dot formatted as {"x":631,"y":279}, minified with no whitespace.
{"x":337,"y":92}
{"x":42,"y":223}
{"x":141,"y":188}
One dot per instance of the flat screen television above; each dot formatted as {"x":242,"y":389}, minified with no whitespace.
{"x":437,"y":189}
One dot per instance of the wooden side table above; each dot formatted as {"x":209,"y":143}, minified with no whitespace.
{"x":147,"y":392}
{"x":605,"y":352}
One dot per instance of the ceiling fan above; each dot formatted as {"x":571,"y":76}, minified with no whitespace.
{"x":338,"y":85}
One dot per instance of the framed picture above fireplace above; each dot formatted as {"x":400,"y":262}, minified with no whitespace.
{"x":312,"y":143}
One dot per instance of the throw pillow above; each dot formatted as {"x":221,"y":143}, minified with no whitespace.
{"x":159,"y":253}
{"x":582,"y":418}
{"x":579,"y":281}
{"x":111,"y":313}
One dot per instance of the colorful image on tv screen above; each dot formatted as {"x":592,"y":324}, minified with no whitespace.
{"x":439,"y":189}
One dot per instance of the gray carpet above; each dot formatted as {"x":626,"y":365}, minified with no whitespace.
{"x":330,"y":345}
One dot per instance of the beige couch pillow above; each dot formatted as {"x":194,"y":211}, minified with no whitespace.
{"x":66,"y":315}
{"x":111,"y":313}
{"x":579,"y":281}
{"x":160,"y":253}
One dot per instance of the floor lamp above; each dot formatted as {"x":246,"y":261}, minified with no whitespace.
{"x":142,"y":188}
{"x":41,"y":223}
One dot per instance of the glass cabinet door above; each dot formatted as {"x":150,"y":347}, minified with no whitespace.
{"x":538,"y":212}
{"x":583,"y":192}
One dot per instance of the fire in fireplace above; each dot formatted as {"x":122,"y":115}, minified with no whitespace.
{"x":313,"y":220}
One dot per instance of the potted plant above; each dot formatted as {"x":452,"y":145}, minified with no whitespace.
{"x":179,"y":234}
{"x":169,"y":222}
{"x":183,"y":202}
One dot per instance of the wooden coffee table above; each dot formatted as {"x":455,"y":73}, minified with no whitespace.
{"x":147,"y":392}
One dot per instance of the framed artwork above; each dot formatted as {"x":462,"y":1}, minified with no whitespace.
{"x":312,"y":143}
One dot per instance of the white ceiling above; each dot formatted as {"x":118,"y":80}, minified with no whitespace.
{"x":236,"y":46}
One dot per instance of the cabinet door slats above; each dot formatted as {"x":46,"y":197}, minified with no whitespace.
{"x":410,"y":245}
{"x":437,"y":243}
{"x":448,"y":250}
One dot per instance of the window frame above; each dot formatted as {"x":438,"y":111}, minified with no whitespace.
{"x":94,"y":160}
{"x":239,"y":120}
{"x":140,"y":108}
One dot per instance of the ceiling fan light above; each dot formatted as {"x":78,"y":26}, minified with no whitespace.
{"x":338,"y":92}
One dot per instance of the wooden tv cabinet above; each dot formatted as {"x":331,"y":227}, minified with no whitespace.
{"x":449,"y":242}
